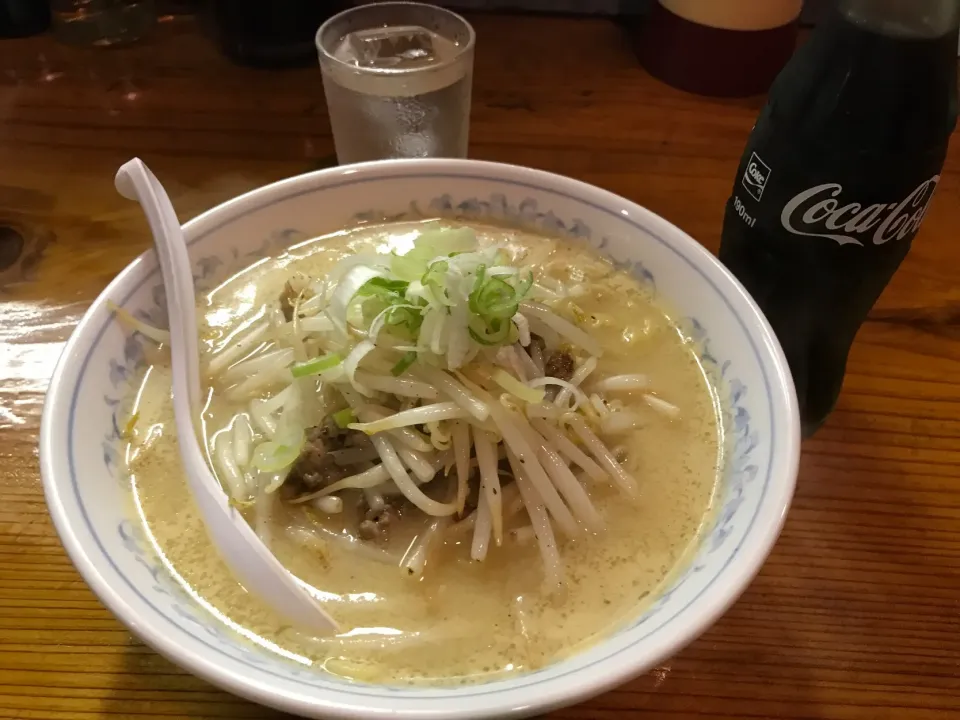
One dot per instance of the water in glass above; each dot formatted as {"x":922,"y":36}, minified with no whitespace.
{"x":400,"y":91}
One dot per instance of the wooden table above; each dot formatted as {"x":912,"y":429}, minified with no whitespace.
{"x":857,"y":613}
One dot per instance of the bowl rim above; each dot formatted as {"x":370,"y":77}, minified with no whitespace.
{"x":551,"y":692}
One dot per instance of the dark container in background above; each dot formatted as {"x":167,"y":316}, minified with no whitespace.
{"x":20,"y":18}
{"x":722,"y":48}
{"x":270,"y":33}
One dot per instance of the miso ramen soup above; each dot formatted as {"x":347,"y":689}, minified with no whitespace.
{"x":486,"y":448}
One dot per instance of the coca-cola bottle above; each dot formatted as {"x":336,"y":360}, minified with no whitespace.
{"x":837,"y":177}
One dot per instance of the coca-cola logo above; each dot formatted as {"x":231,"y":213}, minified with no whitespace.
{"x":819,"y":212}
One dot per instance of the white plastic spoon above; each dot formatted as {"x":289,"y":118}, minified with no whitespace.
{"x":252,"y":562}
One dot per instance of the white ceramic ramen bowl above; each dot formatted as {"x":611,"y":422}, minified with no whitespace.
{"x":80,"y":446}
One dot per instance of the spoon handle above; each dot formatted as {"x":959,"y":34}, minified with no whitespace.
{"x":250,"y":559}
{"x":134,"y":181}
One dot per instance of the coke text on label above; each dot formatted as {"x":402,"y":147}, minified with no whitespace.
{"x":820,"y":212}
{"x":755,"y":177}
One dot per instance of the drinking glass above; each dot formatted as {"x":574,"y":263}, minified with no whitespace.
{"x":397,"y":78}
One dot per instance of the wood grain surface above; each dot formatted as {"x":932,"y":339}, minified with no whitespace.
{"x":856,"y":615}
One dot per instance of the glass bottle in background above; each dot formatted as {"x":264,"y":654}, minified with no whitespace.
{"x":102,"y":22}
{"x":837,"y":177}
{"x":270,"y":33}
{"x":397,"y":77}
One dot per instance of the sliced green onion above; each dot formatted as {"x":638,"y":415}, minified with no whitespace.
{"x":432,"y":243}
{"x":343,"y":297}
{"x":435,"y":271}
{"x":475,"y":293}
{"x":344,"y":417}
{"x":380,"y":286}
{"x":272,"y":456}
{"x":513,"y":386}
{"x":408,"y":359}
{"x":523,"y":287}
{"x":316,"y":365}
{"x":407,"y":317}
{"x":495,"y":334}
{"x":434,"y":279}
{"x":407,"y":267}
{"x":444,"y":241}
{"x":494,"y":298}
{"x":446,"y":295}
{"x":497,"y":299}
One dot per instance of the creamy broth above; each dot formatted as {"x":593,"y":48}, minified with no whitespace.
{"x":462,"y":621}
